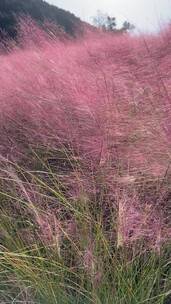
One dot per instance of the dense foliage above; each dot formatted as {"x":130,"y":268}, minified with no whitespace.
{"x":85,"y":175}
{"x":39,"y":10}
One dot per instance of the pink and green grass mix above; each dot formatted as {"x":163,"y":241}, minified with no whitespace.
{"x":85,"y":177}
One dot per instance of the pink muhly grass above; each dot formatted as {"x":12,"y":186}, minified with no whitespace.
{"x":89,"y":261}
{"x":49,"y":230}
{"x":106,"y":99}
{"x":140,"y":222}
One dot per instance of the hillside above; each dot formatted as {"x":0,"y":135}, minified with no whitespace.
{"x":40,"y":11}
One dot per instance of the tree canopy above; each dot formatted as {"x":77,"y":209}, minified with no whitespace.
{"x":108,"y":23}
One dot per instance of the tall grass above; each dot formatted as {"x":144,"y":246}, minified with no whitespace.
{"x":85,"y":171}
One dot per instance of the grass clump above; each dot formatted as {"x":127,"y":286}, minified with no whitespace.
{"x":85,"y":171}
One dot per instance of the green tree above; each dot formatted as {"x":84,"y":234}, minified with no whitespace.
{"x":107,"y":23}
{"x":127,"y":26}
{"x":104,"y":22}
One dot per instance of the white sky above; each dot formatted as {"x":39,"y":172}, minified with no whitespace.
{"x":147,"y":15}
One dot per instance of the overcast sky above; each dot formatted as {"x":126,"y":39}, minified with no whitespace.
{"x":147,"y":15}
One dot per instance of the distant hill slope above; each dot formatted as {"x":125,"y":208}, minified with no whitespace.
{"x":40,"y":11}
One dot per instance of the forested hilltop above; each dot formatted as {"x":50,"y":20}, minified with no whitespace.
{"x":40,"y":11}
